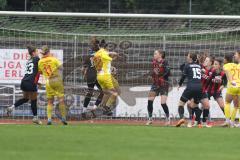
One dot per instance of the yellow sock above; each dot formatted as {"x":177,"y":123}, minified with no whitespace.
{"x":227,"y":110}
{"x":62,"y":111}
{"x":49,"y":112}
{"x":233,"y":115}
{"x":111,"y":101}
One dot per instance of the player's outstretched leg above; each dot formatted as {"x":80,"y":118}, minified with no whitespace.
{"x":18,"y":103}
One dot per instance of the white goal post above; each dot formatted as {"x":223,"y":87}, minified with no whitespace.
{"x":133,"y":36}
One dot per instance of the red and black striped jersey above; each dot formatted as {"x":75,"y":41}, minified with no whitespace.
{"x":160,"y":72}
{"x":217,"y":79}
{"x":206,"y":78}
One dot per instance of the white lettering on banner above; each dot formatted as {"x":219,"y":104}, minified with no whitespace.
{"x":13,"y":61}
{"x":140,"y":108}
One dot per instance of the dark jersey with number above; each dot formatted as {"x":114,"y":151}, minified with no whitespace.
{"x":160,"y":72}
{"x":193,"y":73}
{"x":91,"y":74}
{"x":206,"y":78}
{"x":31,"y":71}
{"x":217,"y":79}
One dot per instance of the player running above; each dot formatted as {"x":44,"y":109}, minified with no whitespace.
{"x":233,"y":91}
{"x":193,"y":90}
{"x":29,"y":84}
{"x":51,"y":69}
{"x":160,"y":74}
{"x":90,"y":75}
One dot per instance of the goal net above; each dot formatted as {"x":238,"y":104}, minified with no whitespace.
{"x":133,"y":36}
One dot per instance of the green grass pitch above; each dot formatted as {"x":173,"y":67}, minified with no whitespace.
{"x":117,"y":142}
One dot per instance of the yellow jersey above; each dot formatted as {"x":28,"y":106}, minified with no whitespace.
{"x":49,"y":67}
{"x":232,"y":70}
{"x":106,"y":62}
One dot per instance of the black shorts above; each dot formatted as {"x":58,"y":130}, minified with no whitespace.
{"x":215,"y":95}
{"x":192,"y":93}
{"x":159,"y":90}
{"x":28,"y":86}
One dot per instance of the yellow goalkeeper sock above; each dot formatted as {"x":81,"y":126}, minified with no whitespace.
{"x":62,"y":111}
{"x":49,"y":112}
{"x":234,"y":113}
{"x":111,"y":101}
{"x":227,"y":110}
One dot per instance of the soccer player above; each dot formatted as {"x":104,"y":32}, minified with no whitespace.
{"x":90,"y":75}
{"x":109,"y":85}
{"x":233,"y":116}
{"x":160,"y":74}
{"x":51,"y":69}
{"x":217,"y":82}
{"x":29,"y":84}
{"x":206,"y":74}
{"x":193,"y":90}
{"x":233,"y":91}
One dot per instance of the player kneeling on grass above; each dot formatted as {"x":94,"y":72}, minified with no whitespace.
{"x":29,"y":84}
{"x":51,"y":68}
{"x":193,"y":90}
{"x":160,"y":85}
{"x":109,"y":85}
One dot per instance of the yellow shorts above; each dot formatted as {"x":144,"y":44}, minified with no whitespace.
{"x":235,"y":91}
{"x":54,"y":88}
{"x":107,"y":81}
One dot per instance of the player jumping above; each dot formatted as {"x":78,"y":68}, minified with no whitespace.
{"x":109,"y":85}
{"x":90,"y":75}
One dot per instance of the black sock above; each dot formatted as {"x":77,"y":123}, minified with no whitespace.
{"x":99,"y":99}
{"x":205,"y":115}
{"x":181,"y":111}
{"x":150,"y":108}
{"x":86,"y":101}
{"x":165,"y":109}
{"x":20,"y":102}
{"x":34,"y":107}
{"x":198,"y":113}
{"x":190,"y":111}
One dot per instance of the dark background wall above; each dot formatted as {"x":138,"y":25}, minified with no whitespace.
{"x":222,"y":7}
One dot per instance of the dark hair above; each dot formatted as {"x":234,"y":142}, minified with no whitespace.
{"x":193,"y":56}
{"x":228,"y":58}
{"x":31,"y":49}
{"x":94,"y":44}
{"x":219,"y":60}
{"x":103,"y":44}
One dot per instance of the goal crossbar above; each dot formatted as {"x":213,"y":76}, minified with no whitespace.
{"x":120,"y":15}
